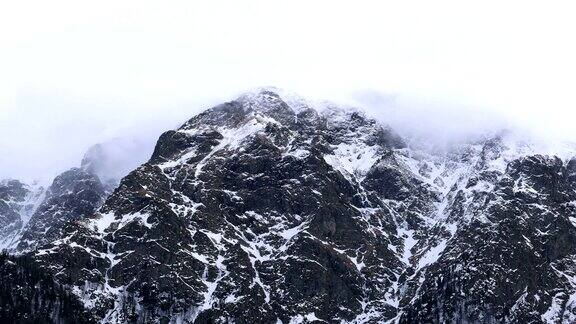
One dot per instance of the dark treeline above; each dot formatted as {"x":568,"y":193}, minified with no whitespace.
{"x":30,"y":295}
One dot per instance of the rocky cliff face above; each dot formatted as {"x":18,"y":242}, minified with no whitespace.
{"x":266,"y":209}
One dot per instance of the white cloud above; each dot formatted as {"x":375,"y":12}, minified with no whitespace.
{"x":75,"y":72}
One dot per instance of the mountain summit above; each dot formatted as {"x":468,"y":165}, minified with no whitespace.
{"x":267,"y":209}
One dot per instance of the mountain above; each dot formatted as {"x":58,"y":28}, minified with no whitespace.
{"x":32,"y":216}
{"x":270,"y":208}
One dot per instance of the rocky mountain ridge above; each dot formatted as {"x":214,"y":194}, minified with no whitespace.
{"x":267,"y":209}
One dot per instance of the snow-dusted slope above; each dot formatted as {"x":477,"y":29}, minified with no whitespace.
{"x":272,"y":209}
{"x":18,"y":202}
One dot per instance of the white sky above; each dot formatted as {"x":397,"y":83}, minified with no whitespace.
{"x":73,"y":73}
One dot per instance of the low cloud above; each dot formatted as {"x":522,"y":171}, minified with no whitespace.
{"x":78,"y":74}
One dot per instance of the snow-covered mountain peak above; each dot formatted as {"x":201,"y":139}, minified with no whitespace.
{"x":270,"y":209}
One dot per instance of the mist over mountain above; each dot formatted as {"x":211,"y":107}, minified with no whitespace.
{"x":129,"y":134}
{"x":276,"y":208}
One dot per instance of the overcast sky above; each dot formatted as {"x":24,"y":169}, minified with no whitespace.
{"x":73,"y":73}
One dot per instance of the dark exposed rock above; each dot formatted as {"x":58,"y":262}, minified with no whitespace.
{"x":29,"y":295}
